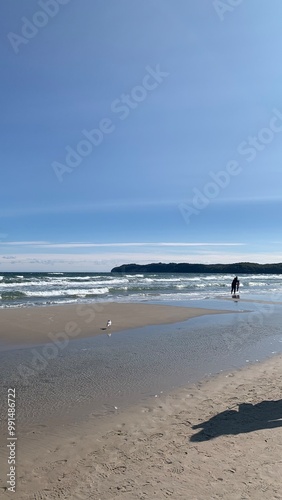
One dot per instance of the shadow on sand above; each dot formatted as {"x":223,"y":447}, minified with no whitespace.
{"x":248,"y":418}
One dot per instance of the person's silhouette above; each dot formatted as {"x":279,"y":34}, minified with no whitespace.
{"x":235,"y":285}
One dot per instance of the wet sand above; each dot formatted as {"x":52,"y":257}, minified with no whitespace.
{"x":42,"y":324}
{"x":256,"y":301}
{"x":220,"y":438}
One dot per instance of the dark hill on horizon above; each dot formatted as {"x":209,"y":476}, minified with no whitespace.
{"x":237,"y":268}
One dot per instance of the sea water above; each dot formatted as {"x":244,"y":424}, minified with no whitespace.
{"x":41,"y":289}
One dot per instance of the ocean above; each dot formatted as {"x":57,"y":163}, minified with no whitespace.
{"x":42,"y":289}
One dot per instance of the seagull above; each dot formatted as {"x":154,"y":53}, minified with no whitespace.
{"x":109,"y":323}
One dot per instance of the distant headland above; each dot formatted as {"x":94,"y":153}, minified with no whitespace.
{"x":237,"y":268}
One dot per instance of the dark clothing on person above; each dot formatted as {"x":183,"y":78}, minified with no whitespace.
{"x":235,"y":285}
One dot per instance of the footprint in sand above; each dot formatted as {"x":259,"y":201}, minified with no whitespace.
{"x":157,"y":435}
{"x":50,"y":467}
{"x":84,"y":462}
{"x":141,"y":455}
{"x":167,"y":492}
{"x":41,"y":495}
{"x":61,"y":492}
{"x":120,"y":469}
{"x":177,"y":469}
{"x":126,"y":487}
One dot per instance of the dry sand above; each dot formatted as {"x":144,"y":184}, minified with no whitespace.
{"x":160,"y":451}
{"x":33,"y":325}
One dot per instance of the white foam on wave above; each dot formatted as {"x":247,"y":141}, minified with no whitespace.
{"x":108,"y":281}
{"x":113,"y":281}
{"x":98,"y":291}
{"x":46,"y":293}
{"x":24,"y":284}
{"x":167,"y":280}
{"x":120,"y":288}
{"x":67,"y":292}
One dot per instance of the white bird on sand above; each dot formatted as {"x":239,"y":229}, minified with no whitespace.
{"x":109,"y":323}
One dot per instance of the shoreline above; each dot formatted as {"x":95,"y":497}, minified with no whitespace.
{"x":44,"y":324}
{"x":166,"y":445}
{"x":242,"y":299}
{"x":175,"y":444}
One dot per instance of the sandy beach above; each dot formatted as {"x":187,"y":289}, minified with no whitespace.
{"x":42,"y":324}
{"x":220,"y":438}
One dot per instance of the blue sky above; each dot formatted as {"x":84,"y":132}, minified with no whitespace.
{"x":140,"y":131}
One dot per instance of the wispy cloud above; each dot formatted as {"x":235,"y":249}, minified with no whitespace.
{"x":46,"y":244}
{"x":20,"y":243}
{"x":120,"y":205}
{"x":101,"y":206}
